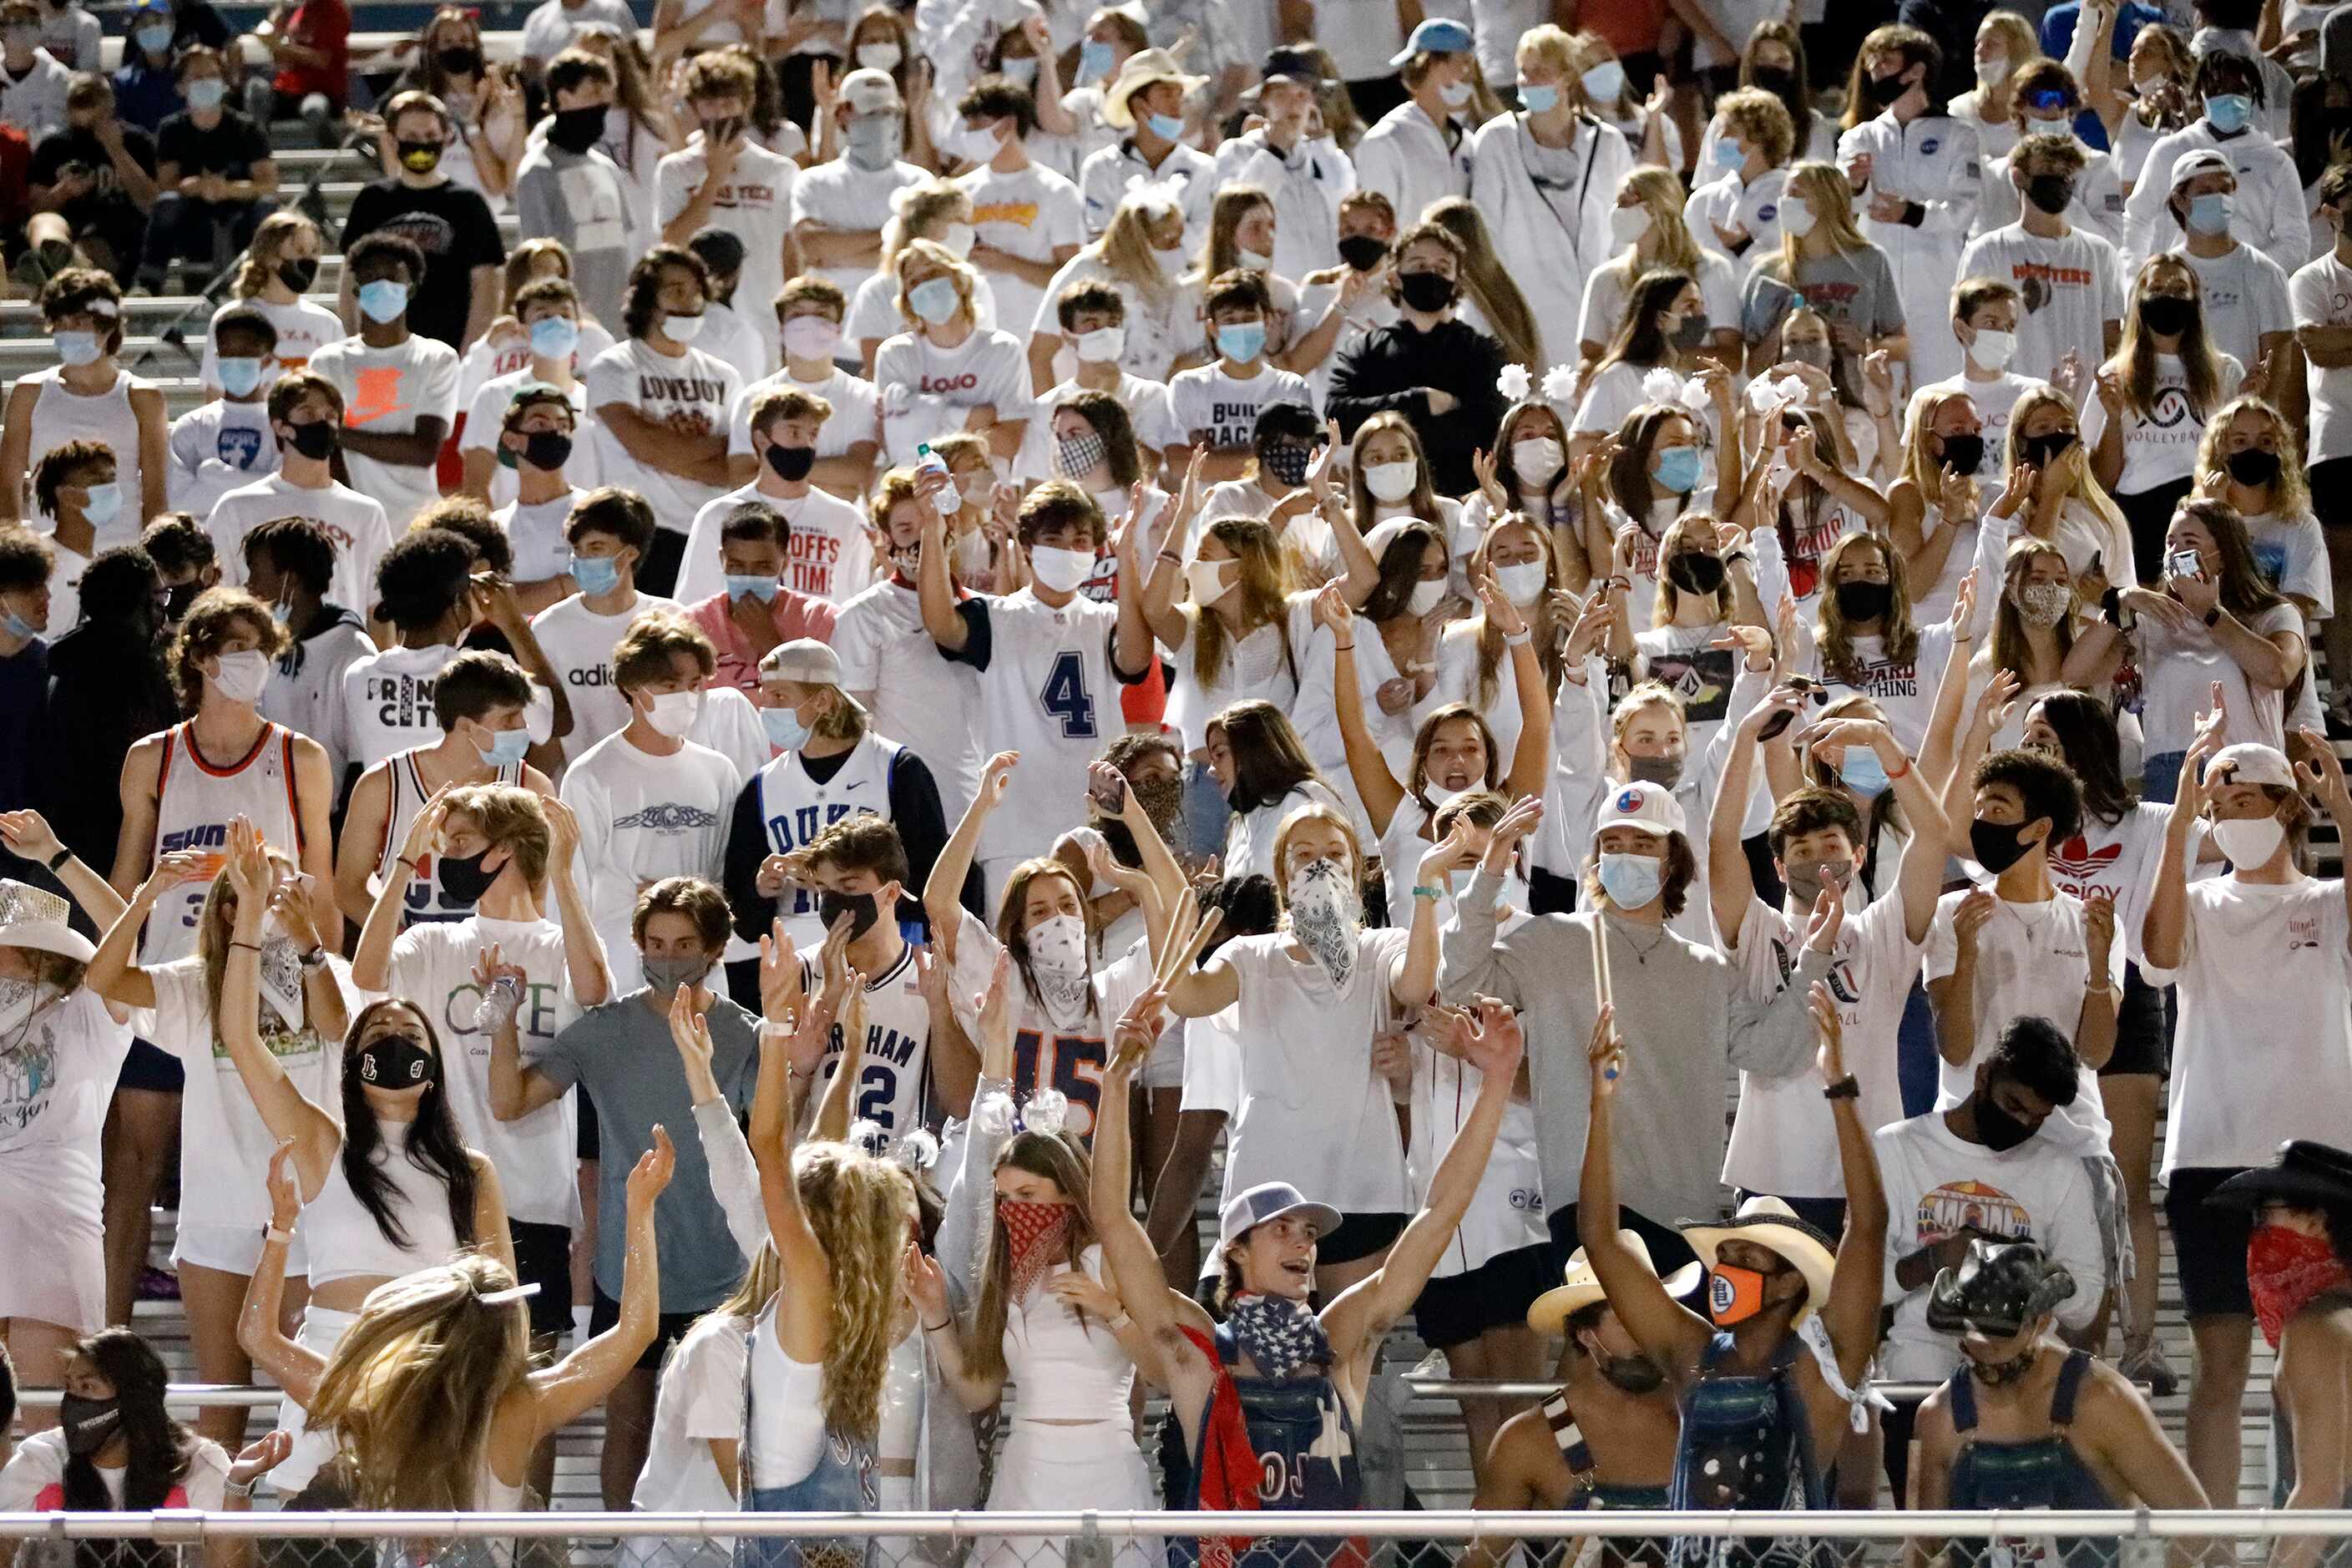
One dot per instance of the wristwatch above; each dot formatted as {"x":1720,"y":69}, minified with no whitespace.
{"x":2214,"y":617}
{"x":1846,"y":1088}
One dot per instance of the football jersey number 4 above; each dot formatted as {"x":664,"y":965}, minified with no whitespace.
{"x":1065,"y":696}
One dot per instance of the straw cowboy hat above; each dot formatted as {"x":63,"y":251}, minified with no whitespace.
{"x":1144,"y":68}
{"x":1769,"y":1222}
{"x":32,"y":916}
{"x":1579,"y":1287}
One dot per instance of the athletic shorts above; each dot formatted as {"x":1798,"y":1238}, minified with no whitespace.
{"x":1358,"y":1236}
{"x":2209,"y":1244}
{"x":604,"y":1313}
{"x":2139,"y":1029}
{"x":149,"y":1069}
{"x":543,"y":1257}
{"x":1497,"y":1294}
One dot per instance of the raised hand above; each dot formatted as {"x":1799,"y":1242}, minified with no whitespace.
{"x":562,"y":833}
{"x":1501,"y":613}
{"x":1968,"y":916}
{"x":993,"y":779}
{"x":1606,"y":1053}
{"x":1332,"y":610}
{"x":1521,"y":819}
{"x":1136,"y":1032}
{"x":992,"y":1008}
{"x":251,"y":872}
{"x":2099,"y":929}
{"x":783,"y":989}
{"x":425,"y":832}
{"x":1829,"y":1060}
{"x":925,"y":1284}
{"x":650,"y":1176}
{"x":1082,"y":1293}
{"x":1439,"y":861}
{"x":285,"y":1190}
{"x":2324,"y":777}
{"x":1319,"y":473}
{"x":28,"y":834}
{"x":1496,"y":1044}
{"x":1827,"y":918}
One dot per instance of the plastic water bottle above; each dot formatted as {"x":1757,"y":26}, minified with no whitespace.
{"x":928,"y":461}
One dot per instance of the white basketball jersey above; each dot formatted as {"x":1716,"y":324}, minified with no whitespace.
{"x":1050,"y":694}
{"x":405,"y":795}
{"x":894,"y":1078}
{"x":194,"y":803}
{"x":795,"y":810}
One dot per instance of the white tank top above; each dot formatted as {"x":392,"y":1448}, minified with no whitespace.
{"x":427,"y":898}
{"x":794,"y":808}
{"x":345,"y":1241}
{"x":194,"y":803}
{"x":787,"y":1435}
{"x":903,"y":1380}
{"x":61,"y":414}
{"x":1067,"y":1369}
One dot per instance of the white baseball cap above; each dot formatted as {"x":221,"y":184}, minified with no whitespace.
{"x":870,"y":91}
{"x":2250,"y":763}
{"x":1643,"y":805}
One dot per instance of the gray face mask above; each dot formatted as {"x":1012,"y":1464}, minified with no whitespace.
{"x":1664,"y":771}
{"x":669,"y":974}
{"x":872,"y":141}
{"x":1805,"y":880}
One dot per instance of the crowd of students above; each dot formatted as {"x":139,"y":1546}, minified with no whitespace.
{"x":1298,"y":576}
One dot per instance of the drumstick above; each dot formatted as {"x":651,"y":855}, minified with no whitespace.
{"x":1601,"y":961}
{"x":1185,"y":955}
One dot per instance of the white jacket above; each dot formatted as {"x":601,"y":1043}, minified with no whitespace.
{"x":1407,"y":159}
{"x":1549,"y":239}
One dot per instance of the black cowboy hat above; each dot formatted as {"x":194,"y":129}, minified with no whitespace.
{"x":2304,"y":1173}
{"x":1998,"y":1290}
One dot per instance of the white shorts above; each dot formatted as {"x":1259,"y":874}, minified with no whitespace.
{"x":61,"y":1222}
{"x":232,"y":1249}
{"x":1043,"y":1467}
{"x":322,"y":1330}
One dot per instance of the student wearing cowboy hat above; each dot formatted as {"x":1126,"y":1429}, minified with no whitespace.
{"x":2299,"y":1274}
{"x":1607,"y":1438}
{"x":1146,"y":102}
{"x":61,"y":1047}
{"x":2027,"y":1423}
{"x":1764,"y":1389}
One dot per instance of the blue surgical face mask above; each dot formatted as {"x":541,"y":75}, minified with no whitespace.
{"x":1094,"y":58}
{"x":1538,"y":97}
{"x":2230,"y":112}
{"x":596,"y":573}
{"x":75,"y":347}
{"x":507,"y":748}
{"x":1861,"y":772}
{"x":105,"y":504}
{"x":238,"y":377}
{"x":764,"y":589}
{"x":16,"y":626}
{"x":1632,"y":882}
{"x":382,"y":301}
{"x":1242,"y":342}
{"x":2209,"y":214}
{"x":554,"y":337}
{"x":1679,"y":468}
{"x":1605,"y":83}
{"x":1022,"y":69}
{"x":155,"y":39}
{"x":207,"y":93}
{"x":934,"y":300}
{"x":1167,"y":127}
{"x":785,"y":731}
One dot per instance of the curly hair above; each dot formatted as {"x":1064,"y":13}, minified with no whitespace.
{"x":858,"y":1206}
{"x":210,"y":622}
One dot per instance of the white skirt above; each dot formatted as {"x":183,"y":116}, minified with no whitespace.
{"x":1043,"y":1467}
{"x":322,"y":1330}
{"x":53,"y":1212}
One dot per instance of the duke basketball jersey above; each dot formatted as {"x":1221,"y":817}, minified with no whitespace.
{"x":405,"y":795}
{"x":894,"y":1078}
{"x":794,"y":810}
{"x":194,"y":803}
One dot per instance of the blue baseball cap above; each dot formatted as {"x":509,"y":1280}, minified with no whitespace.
{"x":1436,"y":36}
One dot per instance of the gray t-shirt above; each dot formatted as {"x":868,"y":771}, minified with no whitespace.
{"x":622,"y":1057}
{"x":1845,"y":288}
{"x":583,"y":200}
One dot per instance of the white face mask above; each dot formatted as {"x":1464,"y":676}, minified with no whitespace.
{"x":673,"y":713}
{"x":1326,"y":913}
{"x":957,"y":239}
{"x":1523,"y":584}
{"x":1537,"y":462}
{"x":1257,"y":260}
{"x":1101,"y":344}
{"x":242,"y":677}
{"x":1796,"y":216}
{"x":1061,"y":570}
{"x":1207,"y":580}
{"x":682,"y":329}
{"x":1390,"y":482}
{"x":1992,"y":350}
{"x":1057,"y":947}
{"x":1628,"y":225}
{"x":2250,"y":841}
{"x":878,"y":56}
{"x":1991,"y":70}
{"x":1426,"y":596}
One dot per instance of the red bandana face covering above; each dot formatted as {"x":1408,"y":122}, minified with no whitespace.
{"x":1035,"y":1236}
{"x":2284,"y":1269}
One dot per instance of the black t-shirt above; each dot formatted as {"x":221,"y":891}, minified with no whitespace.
{"x":196,"y":22}
{"x":230,"y":148}
{"x":107,"y":198}
{"x":453,"y":226}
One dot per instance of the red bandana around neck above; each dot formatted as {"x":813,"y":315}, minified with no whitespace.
{"x":1036,"y":1238}
{"x":2284,"y":1271}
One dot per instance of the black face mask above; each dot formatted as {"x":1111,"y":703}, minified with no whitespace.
{"x":2043,"y":450}
{"x":1630,"y":1373}
{"x":2254,"y":466}
{"x":1692,"y":332}
{"x":2167,"y":315}
{"x":1998,"y":1374}
{"x":299,"y":273}
{"x":459,"y":61}
{"x":546,"y":449}
{"x":463,"y":879}
{"x":1696,"y":572}
{"x":90,"y":1424}
{"x":2051,"y":192}
{"x":178,"y":597}
{"x":1996,"y":1130}
{"x":1287,"y":462}
{"x":1964,"y":455}
{"x":1864,"y":601}
{"x":1429,"y":292}
{"x":792,"y":463}
{"x":576,"y":130}
{"x":420,"y":157}
{"x":317,"y":440}
{"x":862,"y":908}
{"x":1880,"y":91}
{"x":1362,"y":252}
{"x":1780,"y":84}
{"x":395,"y":1061}
{"x":1995,"y":845}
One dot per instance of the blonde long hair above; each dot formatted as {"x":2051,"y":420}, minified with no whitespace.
{"x":2291,"y":491}
{"x":269,"y":245}
{"x":1835,"y":639}
{"x":915,"y":210}
{"x":1824,"y":190}
{"x":2134,"y":360}
{"x":1542,"y":618}
{"x":1059,"y":1158}
{"x":858,"y":1206}
{"x":1127,"y":249}
{"x":2087,"y":489}
{"x":1488,"y":282}
{"x":1260,"y":574}
{"x":1671,"y":246}
{"x":410,"y":1391}
{"x":1921,"y":465}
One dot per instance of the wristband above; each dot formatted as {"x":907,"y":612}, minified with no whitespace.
{"x":1524,"y":637}
{"x":271,"y":1231}
{"x":411,"y":864}
{"x":935,"y":1328}
{"x":1121,"y":1323}
{"x":1343,"y":647}
{"x":316,"y":958}
{"x":1846,"y":1088}
{"x":249,"y":946}
{"x":1429,"y":893}
{"x":1171,"y":555}
{"x":59,"y":858}
{"x":2104,"y":986}
{"x":237,"y":1488}
{"x":2214,"y":617}
{"x":1903,"y":771}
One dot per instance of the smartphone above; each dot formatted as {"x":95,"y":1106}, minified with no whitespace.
{"x":1109,"y":798}
{"x":1779,"y":723}
{"x":2186,"y":564}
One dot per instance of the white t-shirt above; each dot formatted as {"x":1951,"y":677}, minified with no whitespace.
{"x":1606,"y":288}
{"x":216,"y":447}
{"x":36,"y":1477}
{"x":537,"y":1155}
{"x":927,"y":703}
{"x":840,"y":197}
{"x":1307,"y":1088}
{"x":388,"y":702}
{"x":2320,"y":295}
{"x":1904,"y":689}
{"x":1263,"y":663}
{"x":1225,"y":408}
{"x":874,"y":309}
{"x":50,"y":1120}
{"x":644,"y":817}
{"x":2245,"y":297}
{"x":1030,"y":212}
{"x":2032,"y":960}
{"x":929,"y":390}
{"x":2070,"y":288}
{"x":535,"y":534}
{"x":856,"y":409}
{"x":1783,"y":1139}
{"x":579,"y":645}
{"x":702,"y":1399}
{"x":551,"y":26}
{"x":689,"y":395}
{"x":2264,"y":1052}
{"x":2293,"y":555}
{"x":830,"y":556}
{"x":755,"y":206}
{"x":357,"y":523}
{"x":2160,"y":447}
{"x":486,"y":423}
{"x":2178,"y":669}
{"x":303,"y":329}
{"x":385,"y":392}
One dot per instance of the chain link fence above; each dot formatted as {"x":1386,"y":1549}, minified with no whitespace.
{"x":1495,"y":1540}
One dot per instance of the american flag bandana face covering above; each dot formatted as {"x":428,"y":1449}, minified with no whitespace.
{"x":1035,"y":1235}
{"x":1279,"y":1334}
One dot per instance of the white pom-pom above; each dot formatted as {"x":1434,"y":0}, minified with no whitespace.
{"x":918,"y":1151}
{"x":1046,"y":1111}
{"x":1792,"y":390}
{"x":1763,"y":392}
{"x":992,"y":1117}
{"x":1560,"y":384}
{"x":1158,"y":198}
{"x":1513,"y":382}
{"x":1694,"y":395}
{"x":867,"y":1135}
{"x":1661,"y":385}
